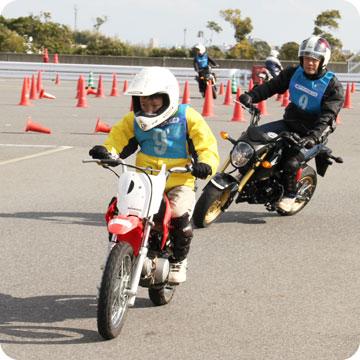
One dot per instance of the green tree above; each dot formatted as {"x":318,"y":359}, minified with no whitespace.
{"x":213,"y":27}
{"x":243,"y":27}
{"x":326,"y":22}
{"x":10,"y":41}
{"x":53,"y":36}
{"x":215,"y":52}
{"x":242,"y":50}
{"x":289,"y":51}
{"x":100,"y":20}
{"x":262,"y":49}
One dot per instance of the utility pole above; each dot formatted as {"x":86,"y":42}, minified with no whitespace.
{"x":185,"y":37}
{"x":75,"y":17}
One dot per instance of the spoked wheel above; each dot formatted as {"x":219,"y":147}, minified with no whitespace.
{"x":209,"y":205}
{"x":161,"y":294}
{"x":113,"y":300}
{"x":306,"y":189}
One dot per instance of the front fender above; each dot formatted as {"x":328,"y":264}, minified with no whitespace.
{"x":222,"y":181}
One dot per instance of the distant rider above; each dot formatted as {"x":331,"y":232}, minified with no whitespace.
{"x":201,"y":63}
{"x":316,"y":97}
{"x":272,"y":63}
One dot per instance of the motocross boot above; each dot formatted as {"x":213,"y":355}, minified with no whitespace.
{"x":287,"y":202}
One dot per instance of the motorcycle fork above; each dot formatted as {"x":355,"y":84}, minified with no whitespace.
{"x":250,"y":173}
{"x":136,"y":272}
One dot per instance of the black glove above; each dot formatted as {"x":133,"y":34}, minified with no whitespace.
{"x":99,"y":152}
{"x":245,"y":99}
{"x":309,"y":141}
{"x":201,"y":170}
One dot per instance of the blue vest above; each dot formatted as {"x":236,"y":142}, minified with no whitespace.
{"x":307,"y":94}
{"x":202,"y":61}
{"x":167,"y":140}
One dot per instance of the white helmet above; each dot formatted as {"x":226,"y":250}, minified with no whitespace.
{"x":150,"y":81}
{"x":201,"y":48}
{"x":274,"y":53}
{"x":316,"y":47}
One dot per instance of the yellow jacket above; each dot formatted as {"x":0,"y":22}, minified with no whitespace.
{"x":122,"y":139}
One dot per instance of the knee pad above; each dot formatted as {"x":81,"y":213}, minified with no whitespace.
{"x":181,"y":226}
{"x":182,"y":234}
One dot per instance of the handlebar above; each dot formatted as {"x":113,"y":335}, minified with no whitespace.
{"x":115,"y":162}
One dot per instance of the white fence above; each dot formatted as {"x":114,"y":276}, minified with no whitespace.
{"x":72,"y":71}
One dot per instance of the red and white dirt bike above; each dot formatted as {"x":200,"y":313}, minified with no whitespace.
{"x":140,"y":245}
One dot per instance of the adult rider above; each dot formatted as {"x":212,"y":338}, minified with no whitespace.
{"x":316,"y":97}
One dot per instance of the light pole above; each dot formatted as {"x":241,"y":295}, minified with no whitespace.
{"x":185,"y":37}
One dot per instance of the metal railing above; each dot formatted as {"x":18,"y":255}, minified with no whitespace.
{"x":353,"y":63}
{"x":10,"y":69}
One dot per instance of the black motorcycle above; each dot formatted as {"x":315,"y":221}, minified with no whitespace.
{"x":207,"y":76}
{"x":253,"y":174}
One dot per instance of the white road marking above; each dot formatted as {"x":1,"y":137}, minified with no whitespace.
{"x":47,"y":152}
{"x":3,"y":356}
{"x":28,"y":145}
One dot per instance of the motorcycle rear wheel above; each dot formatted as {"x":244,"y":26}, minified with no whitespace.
{"x":306,"y":189}
{"x":209,"y":205}
{"x":113,"y":301}
{"x":162,"y":294}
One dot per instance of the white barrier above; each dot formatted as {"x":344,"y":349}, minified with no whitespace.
{"x":10,"y":69}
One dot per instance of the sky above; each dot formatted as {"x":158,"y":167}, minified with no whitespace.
{"x":178,"y":23}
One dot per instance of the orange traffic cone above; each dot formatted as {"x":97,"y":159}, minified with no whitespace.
{"x":114,"y":91}
{"x":91,"y":91}
{"x":33,"y":93}
{"x":39,"y":82}
{"x":102,"y":127}
{"x":251,"y":84}
{"x":100,"y":88}
{"x":45,"y":56}
{"x":262,"y":107}
{"x":286,"y":100}
{"x":347,"y":102}
{"x":82,"y":102}
{"x":25,"y":101}
{"x":238,"y":114}
{"x":221,"y":89}
{"x":125,"y":86}
{"x":208,"y":103}
{"x":353,"y":87}
{"x":186,"y":95}
{"x":32,"y":126}
{"x":45,"y":95}
{"x":57,"y":79}
{"x":228,"y":94}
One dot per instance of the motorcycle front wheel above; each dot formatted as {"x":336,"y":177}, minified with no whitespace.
{"x":306,"y":189}
{"x":113,"y":300}
{"x":210,"y":205}
{"x":161,"y":294}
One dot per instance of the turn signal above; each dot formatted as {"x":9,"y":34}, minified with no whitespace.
{"x":266,"y":164}
{"x":224,"y":135}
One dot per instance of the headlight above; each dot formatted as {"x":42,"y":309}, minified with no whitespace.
{"x":241,"y":154}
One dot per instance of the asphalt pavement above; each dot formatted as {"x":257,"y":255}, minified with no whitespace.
{"x":260,"y":286}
